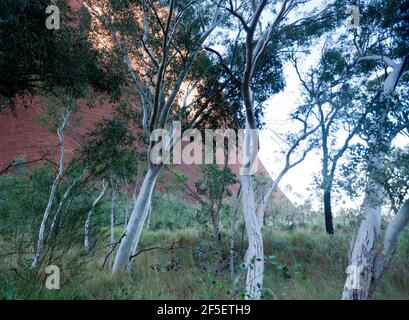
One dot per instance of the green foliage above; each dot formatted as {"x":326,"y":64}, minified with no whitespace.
{"x":393,"y":176}
{"x":215,"y":181}
{"x":300,"y":265}
{"x":24,"y":196}
{"x":111,"y":148}
{"x":387,"y":20}
{"x":268,"y":79}
{"x":171,"y":213}
{"x":32,"y":57}
{"x":213,"y":192}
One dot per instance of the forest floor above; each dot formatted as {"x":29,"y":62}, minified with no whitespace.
{"x":300,"y":264}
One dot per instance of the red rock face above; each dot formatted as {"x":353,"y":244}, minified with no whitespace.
{"x":23,"y":136}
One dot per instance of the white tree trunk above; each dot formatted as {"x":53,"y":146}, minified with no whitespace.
{"x":136,"y":222}
{"x":40,"y":241}
{"x":112,"y":238}
{"x":254,"y":260}
{"x":361,"y":271}
{"x":390,"y":244}
{"x":148,"y":223}
{"x":87,"y":246}
{"x":60,"y":205}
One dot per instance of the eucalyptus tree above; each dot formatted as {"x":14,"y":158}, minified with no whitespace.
{"x":111,"y":157}
{"x":87,"y":242}
{"x":211,"y":191}
{"x":58,"y":116}
{"x":164,"y":39}
{"x":267,"y":29}
{"x":332,"y":94}
{"x":382,"y":45}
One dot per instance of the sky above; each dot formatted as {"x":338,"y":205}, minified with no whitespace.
{"x":277,"y":114}
{"x":299,"y":178}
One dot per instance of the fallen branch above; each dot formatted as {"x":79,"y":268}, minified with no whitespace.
{"x":112,"y":250}
{"x":172,"y":247}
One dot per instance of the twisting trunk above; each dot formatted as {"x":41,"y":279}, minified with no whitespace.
{"x":254,"y":259}
{"x":113,"y":208}
{"x":40,"y":242}
{"x":87,"y":246}
{"x":391,"y":241}
{"x":136,"y":221}
{"x":361,"y":274}
{"x":360,"y":269}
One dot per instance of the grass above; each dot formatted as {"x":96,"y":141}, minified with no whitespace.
{"x":301,"y":264}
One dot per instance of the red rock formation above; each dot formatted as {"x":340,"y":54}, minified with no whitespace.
{"x":23,"y":136}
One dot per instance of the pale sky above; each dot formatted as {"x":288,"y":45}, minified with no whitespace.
{"x":300,"y":178}
{"x":277,"y":115}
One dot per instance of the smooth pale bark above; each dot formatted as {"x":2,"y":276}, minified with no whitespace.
{"x":112,"y":238}
{"x":60,"y":205}
{"x":254,"y":259}
{"x":391,"y":241}
{"x":148,"y":223}
{"x":157,"y":100}
{"x":136,"y":241}
{"x":88,"y":220}
{"x":361,"y":271}
{"x":126,"y":202}
{"x":40,"y":241}
{"x":254,"y":52}
{"x":136,"y":222}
